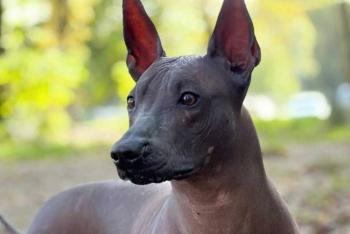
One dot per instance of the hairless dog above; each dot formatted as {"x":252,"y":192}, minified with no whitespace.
{"x":188,"y":127}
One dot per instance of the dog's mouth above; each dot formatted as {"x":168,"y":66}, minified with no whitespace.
{"x":142,"y":175}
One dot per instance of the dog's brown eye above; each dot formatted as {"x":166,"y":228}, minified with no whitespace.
{"x":188,"y":99}
{"x":131,"y":102}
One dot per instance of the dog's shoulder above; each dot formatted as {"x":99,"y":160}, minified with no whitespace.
{"x":94,"y":208}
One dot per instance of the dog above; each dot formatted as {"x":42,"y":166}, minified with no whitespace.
{"x":191,"y":144}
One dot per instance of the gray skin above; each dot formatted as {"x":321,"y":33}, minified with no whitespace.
{"x":199,"y":157}
{"x":227,"y":191}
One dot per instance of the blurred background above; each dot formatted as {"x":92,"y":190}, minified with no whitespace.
{"x":64,"y":82}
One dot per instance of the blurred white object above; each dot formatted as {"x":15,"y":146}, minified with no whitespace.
{"x":309,"y":104}
{"x":343,"y":95}
{"x":261,"y":106}
{"x":106,"y":112}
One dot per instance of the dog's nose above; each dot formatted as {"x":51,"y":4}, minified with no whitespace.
{"x":129,"y":150}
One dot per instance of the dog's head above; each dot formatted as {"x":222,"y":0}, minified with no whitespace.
{"x":183,"y":110}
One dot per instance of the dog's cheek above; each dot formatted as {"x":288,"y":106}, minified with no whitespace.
{"x":191,"y":117}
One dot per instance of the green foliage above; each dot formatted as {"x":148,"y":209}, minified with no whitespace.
{"x":10,"y":152}
{"x":64,"y":57}
{"x":123,"y":80}
{"x":287,"y":40}
{"x":38,"y":87}
{"x":106,"y":48}
{"x":43,"y":66}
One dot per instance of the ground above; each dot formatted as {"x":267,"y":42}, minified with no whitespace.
{"x":313,"y":179}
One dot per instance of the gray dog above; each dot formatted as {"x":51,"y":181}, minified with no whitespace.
{"x":187,"y":126}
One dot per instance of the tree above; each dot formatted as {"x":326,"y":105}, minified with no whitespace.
{"x":1,"y":23}
{"x":42,"y":69}
{"x":344,"y":14}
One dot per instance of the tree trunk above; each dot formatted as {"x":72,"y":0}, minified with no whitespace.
{"x":2,"y":50}
{"x":344,"y":14}
{"x":59,"y":19}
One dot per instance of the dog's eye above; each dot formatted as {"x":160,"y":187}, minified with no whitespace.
{"x":189,"y":99}
{"x":131,"y":102}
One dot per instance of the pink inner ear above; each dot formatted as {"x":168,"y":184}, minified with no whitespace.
{"x":233,"y":36}
{"x":141,"y":38}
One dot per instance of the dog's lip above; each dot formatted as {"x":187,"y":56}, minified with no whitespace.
{"x":142,"y":177}
{"x":143,"y":180}
{"x":148,"y":169}
{"x":184,"y":174}
{"x":177,"y":176}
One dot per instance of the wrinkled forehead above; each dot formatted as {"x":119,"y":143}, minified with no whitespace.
{"x":181,"y":73}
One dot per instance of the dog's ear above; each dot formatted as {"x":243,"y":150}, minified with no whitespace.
{"x":141,"y":38}
{"x":233,"y":37}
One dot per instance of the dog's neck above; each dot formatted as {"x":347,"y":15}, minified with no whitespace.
{"x":223,"y":195}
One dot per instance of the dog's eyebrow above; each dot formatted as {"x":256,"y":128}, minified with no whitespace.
{"x":151,"y":81}
{"x":181,"y":85}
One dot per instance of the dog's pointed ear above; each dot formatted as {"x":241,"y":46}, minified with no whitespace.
{"x":141,"y":38}
{"x":233,"y":37}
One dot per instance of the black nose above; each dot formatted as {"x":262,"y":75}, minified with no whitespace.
{"x":129,"y":150}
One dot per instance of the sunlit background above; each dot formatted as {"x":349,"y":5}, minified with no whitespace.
{"x":63,"y":84}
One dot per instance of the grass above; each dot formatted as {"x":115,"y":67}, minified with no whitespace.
{"x":276,"y":135}
{"x":11,"y":152}
{"x":88,"y":137}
